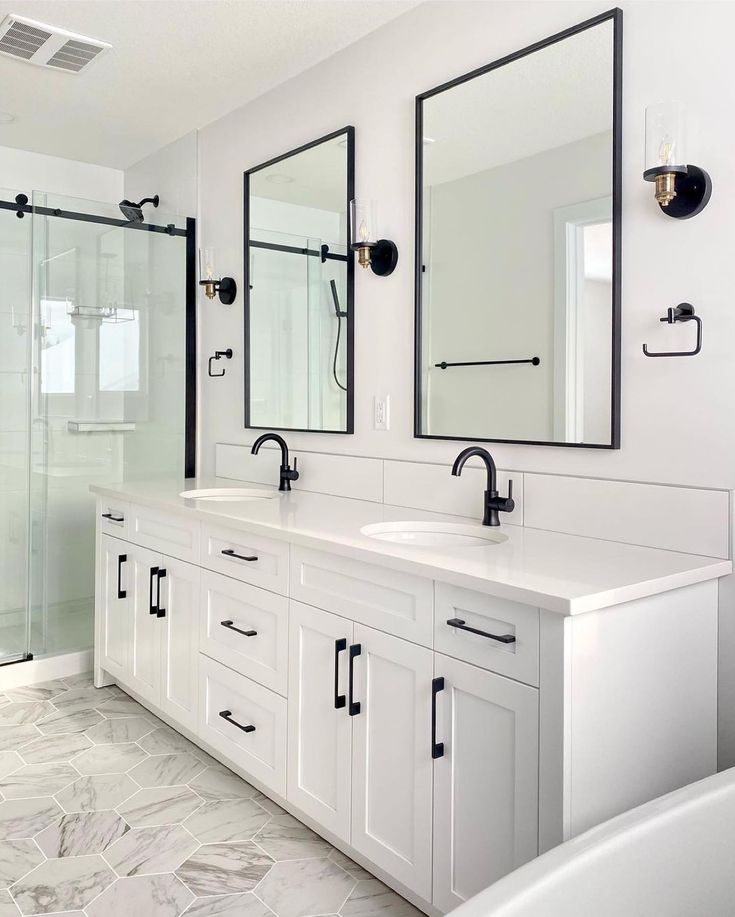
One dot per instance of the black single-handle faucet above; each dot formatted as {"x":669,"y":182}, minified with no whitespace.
{"x":493,"y":503}
{"x":287,"y":474}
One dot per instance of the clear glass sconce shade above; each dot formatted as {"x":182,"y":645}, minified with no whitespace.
{"x":665,"y":129}
{"x":362,"y":222}
{"x":207,"y":264}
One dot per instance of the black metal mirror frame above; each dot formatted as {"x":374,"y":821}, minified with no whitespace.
{"x":349,"y":133}
{"x":616,"y":15}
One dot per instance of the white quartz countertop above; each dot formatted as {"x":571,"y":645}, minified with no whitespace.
{"x":563,"y":573}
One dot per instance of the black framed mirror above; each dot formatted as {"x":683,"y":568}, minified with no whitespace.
{"x":518,"y":246}
{"x":299,"y":288}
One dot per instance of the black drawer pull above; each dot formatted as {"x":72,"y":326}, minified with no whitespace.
{"x":161,"y":612}
{"x":460,"y":625}
{"x":228,"y":552}
{"x":113,"y":518}
{"x":245,"y":633}
{"x":121,"y":558}
{"x":153,"y":608}
{"x":437,"y":748}
{"x":354,"y":706}
{"x":227,"y":715}
{"x":339,"y":699}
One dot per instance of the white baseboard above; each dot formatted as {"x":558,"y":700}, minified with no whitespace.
{"x":45,"y":668}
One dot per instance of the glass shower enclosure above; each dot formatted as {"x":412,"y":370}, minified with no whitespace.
{"x":97,"y":385}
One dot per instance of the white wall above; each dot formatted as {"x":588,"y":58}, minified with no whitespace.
{"x":28,"y":172}
{"x":171,"y":173}
{"x":677,"y":415}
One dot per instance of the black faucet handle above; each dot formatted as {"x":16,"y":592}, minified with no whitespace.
{"x":295,"y":469}
{"x":509,"y":504}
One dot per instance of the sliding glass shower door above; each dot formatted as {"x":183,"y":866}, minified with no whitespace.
{"x":15,"y":352}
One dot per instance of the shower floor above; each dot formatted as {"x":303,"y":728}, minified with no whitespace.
{"x":107,"y":812}
{"x":69,"y":628}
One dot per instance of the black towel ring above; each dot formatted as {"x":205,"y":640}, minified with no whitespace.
{"x":684,"y":312}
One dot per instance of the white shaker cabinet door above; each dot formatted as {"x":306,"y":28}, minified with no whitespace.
{"x":178,"y":619}
{"x":114,"y":605}
{"x":144,"y":667}
{"x":319,"y":724}
{"x":391,"y":761}
{"x":485,"y":779}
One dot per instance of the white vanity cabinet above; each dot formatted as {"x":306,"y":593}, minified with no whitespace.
{"x":440,"y":735}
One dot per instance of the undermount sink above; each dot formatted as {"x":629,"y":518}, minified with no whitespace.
{"x":228,"y":494}
{"x":434,"y":534}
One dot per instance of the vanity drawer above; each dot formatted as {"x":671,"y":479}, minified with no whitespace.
{"x":112,"y":516}
{"x":167,"y":533}
{"x":250,"y":558}
{"x":388,"y":600}
{"x":229,"y":607}
{"x":253,"y":735}
{"x":493,"y":617}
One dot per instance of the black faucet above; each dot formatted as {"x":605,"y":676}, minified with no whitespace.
{"x":287,"y":474}
{"x":493,"y":503}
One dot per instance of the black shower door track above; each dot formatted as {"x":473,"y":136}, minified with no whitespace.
{"x":170,"y":230}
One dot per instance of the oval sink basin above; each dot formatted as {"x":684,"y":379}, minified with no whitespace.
{"x":434,"y":534}
{"x":228,"y":494}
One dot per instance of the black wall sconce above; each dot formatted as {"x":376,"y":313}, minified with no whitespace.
{"x":379,"y":254}
{"x":682,"y":190}
{"x":225,"y":286}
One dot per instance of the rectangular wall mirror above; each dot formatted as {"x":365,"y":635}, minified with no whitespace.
{"x":299,"y":288}
{"x":518,"y":246}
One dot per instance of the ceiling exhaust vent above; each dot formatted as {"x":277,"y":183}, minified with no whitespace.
{"x":47,"y":46}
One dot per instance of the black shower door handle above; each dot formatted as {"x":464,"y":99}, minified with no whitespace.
{"x":339,"y":699}
{"x":437,"y":748}
{"x":354,"y":706}
{"x":153,"y":608}
{"x":160,"y":612}
{"x":121,"y":593}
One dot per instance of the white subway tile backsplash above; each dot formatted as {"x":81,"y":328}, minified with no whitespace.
{"x":433,"y":487}
{"x":692,"y":520}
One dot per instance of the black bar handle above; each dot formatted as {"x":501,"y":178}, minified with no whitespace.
{"x":121,"y":559}
{"x":113,"y":518}
{"x":534,"y":361}
{"x":227,"y":715}
{"x":161,"y":612}
{"x":153,"y":608}
{"x":461,"y":625}
{"x":245,"y":633}
{"x":339,"y":699}
{"x":228,"y":552}
{"x":437,"y":748}
{"x":354,"y":706}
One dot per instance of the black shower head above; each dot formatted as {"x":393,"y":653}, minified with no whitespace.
{"x":133,"y":212}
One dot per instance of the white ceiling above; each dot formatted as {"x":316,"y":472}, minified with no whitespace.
{"x":175,"y":65}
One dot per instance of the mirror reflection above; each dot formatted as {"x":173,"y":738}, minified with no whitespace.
{"x":516,"y":311}
{"x":299,"y":289}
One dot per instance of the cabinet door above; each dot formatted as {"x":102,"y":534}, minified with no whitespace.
{"x":319,"y":725}
{"x":178,"y":619}
{"x":114,"y":605}
{"x":486,"y":781}
{"x":391,"y":756}
{"x":144,"y":668}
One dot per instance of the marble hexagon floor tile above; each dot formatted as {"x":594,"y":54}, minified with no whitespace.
{"x":17,"y":858}
{"x":160,"y":806}
{"x":217,"y":868}
{"x":81,"y":833}
{"x":14,"y":737}
{"x":218,"y":782}
{"x":9,"y":762}
{"x":370,"y":897}
{"x":147,"y":896}
{"x":62,"y":885}
{"x":145,"y":851}
{"x":33,"y":780}
{"x":7,"y":905}
{"x":45,"y":690}
{"x":286,"y":838}
{"x":349,"y":866}
{"x":167,"y":770}
{"x":76,"y":699}
{"x":25,"y":817}
{"x":48,"y":749}
{"x":227,"y":820}
{"x":119,"y":731}
{"x":24,"y":712}
{"x":245,"y":905}
{"x":109,"y":759}
{"x":122,"y":705}
{"x":63,"y":722}
{"x":166,"y":741}
{"x":299,"y":888}
{"x":89,"y":794}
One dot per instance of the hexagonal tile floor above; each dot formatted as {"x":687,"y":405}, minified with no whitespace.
{"x":107,"y":812}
